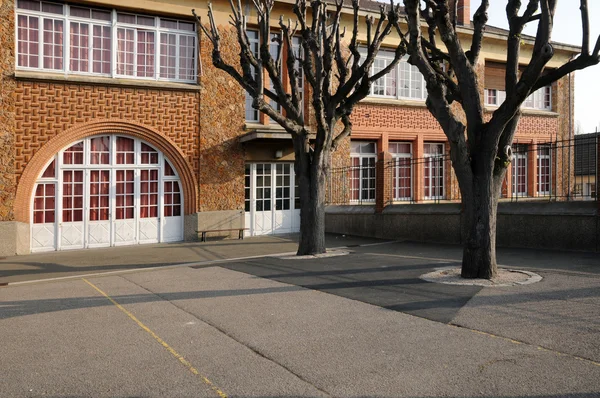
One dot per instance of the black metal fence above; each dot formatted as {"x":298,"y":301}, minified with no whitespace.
{"x":555,"y":171}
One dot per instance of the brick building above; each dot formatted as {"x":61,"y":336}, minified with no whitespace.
{"x":116,"y":129}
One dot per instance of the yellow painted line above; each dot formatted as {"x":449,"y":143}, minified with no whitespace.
{"x":539,"y":348}
{"x":179,"y":357}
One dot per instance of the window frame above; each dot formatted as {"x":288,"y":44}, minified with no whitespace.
{"x":541,"y":156}
{"x":254,"y":40}
{"x":520,"y":152}
{"x":430,"y":161}
{"x":114,"y":25}
{"x":396,"y":178}
{"x":535,"y":101}
{"x":389,"y":55}
{"x":361,"y":157}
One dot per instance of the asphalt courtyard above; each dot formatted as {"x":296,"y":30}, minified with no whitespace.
{"x":242,"y":319}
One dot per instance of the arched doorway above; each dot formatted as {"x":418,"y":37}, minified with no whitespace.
{"x":106,"y":190}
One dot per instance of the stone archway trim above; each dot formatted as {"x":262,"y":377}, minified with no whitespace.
{"x":106,"y":126}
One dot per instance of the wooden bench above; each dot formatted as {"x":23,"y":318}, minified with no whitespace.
{"x":204,"y":232}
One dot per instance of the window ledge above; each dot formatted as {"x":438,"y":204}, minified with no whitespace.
{"x":104,"y":81}
{"x":394,"y":102}
{"x":254,"y":126}
{"x":526,"y":111}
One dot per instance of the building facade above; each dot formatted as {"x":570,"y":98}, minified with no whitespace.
{"x":116,"y":129}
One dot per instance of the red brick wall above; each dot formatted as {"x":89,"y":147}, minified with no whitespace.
{"x":7,"y":109}
{"x":392,"y":117}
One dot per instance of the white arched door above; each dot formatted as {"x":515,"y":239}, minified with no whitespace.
{"x":107,"y":190}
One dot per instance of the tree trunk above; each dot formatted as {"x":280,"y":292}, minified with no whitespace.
{"x":480,"y":207}
{"x":311,"y":171}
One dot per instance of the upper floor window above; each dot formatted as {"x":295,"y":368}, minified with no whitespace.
{"x":83,"y":40}
{"x":363,"y":156}
{"x":252,"y":115}
{"x":495,"y":89}
{"x":541,"y":99}
{"x":403,"y":81}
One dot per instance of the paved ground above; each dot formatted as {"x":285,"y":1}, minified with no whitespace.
{"x":361,"y":325}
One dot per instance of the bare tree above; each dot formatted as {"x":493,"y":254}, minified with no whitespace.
{"x":481,"y":150}
{"x":336,"y":80}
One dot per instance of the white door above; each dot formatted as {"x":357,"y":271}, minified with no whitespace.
{"x":71,"y":227}
{"x":172,"y":219}
{"x":270,"y":199}
{"x":98,"y":223}
{"x":283,"y":213}
{"x":43,"y":228}
{"x":149,"y":220}
{"x":106,"y":191}
{"x":125,"y":218}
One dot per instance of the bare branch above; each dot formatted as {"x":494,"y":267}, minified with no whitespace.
{"x":479,"y":20}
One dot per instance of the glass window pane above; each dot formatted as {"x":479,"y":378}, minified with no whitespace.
{"x":28,"y":5}
{"x":168,"y":23}
{"x":52,"y":8}
{"x":79,"y":12}
{"x":101,"y":15}
{"x":125,"y":18}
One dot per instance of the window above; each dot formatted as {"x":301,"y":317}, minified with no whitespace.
{"x":494,"y":96}
{"x":299,"y":55}
{"x":274,"y":51}
{"x":144,"y":46}
{"x":589,"y":190}
{"x":519,"y":170}
{"x":402,"y":170}
{"x":403,"y":81}
{"x":434,"y":170}
{"x":362,"y":173}
{"x":543,"y":169}
{"x":251,"y":113}
{"x":385,"y":86}
{"x":541,"y":99}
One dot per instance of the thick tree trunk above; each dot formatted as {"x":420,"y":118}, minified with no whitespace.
{"x":480,"y":207}
{"x":311,"y":172}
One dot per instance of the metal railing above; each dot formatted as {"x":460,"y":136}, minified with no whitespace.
{"x":553,"y":171}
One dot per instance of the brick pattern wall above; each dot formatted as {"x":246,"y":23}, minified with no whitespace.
{"x":223,"y":118}
{"x":547,"y":126}
{"x":393,"y":117}
{"x":7,"y":110}
{"x":47,"y":109}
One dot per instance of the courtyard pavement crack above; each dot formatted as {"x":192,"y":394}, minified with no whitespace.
{"x":227,"y":334}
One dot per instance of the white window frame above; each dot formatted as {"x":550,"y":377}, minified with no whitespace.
{"x":540,"y":99}
{"x":541,"y":157}
{"x":536,"y":100}
{"x":498,"y":95}
{"x":396,"y":156}
{"x":253,"y":41}
{"x":364,"y":156}
{"x":431,"y":163}
{"x":519,"y":155}
{"x":397,"y":71}
{"x":137,"y":166}
{"x":66,"y":19}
